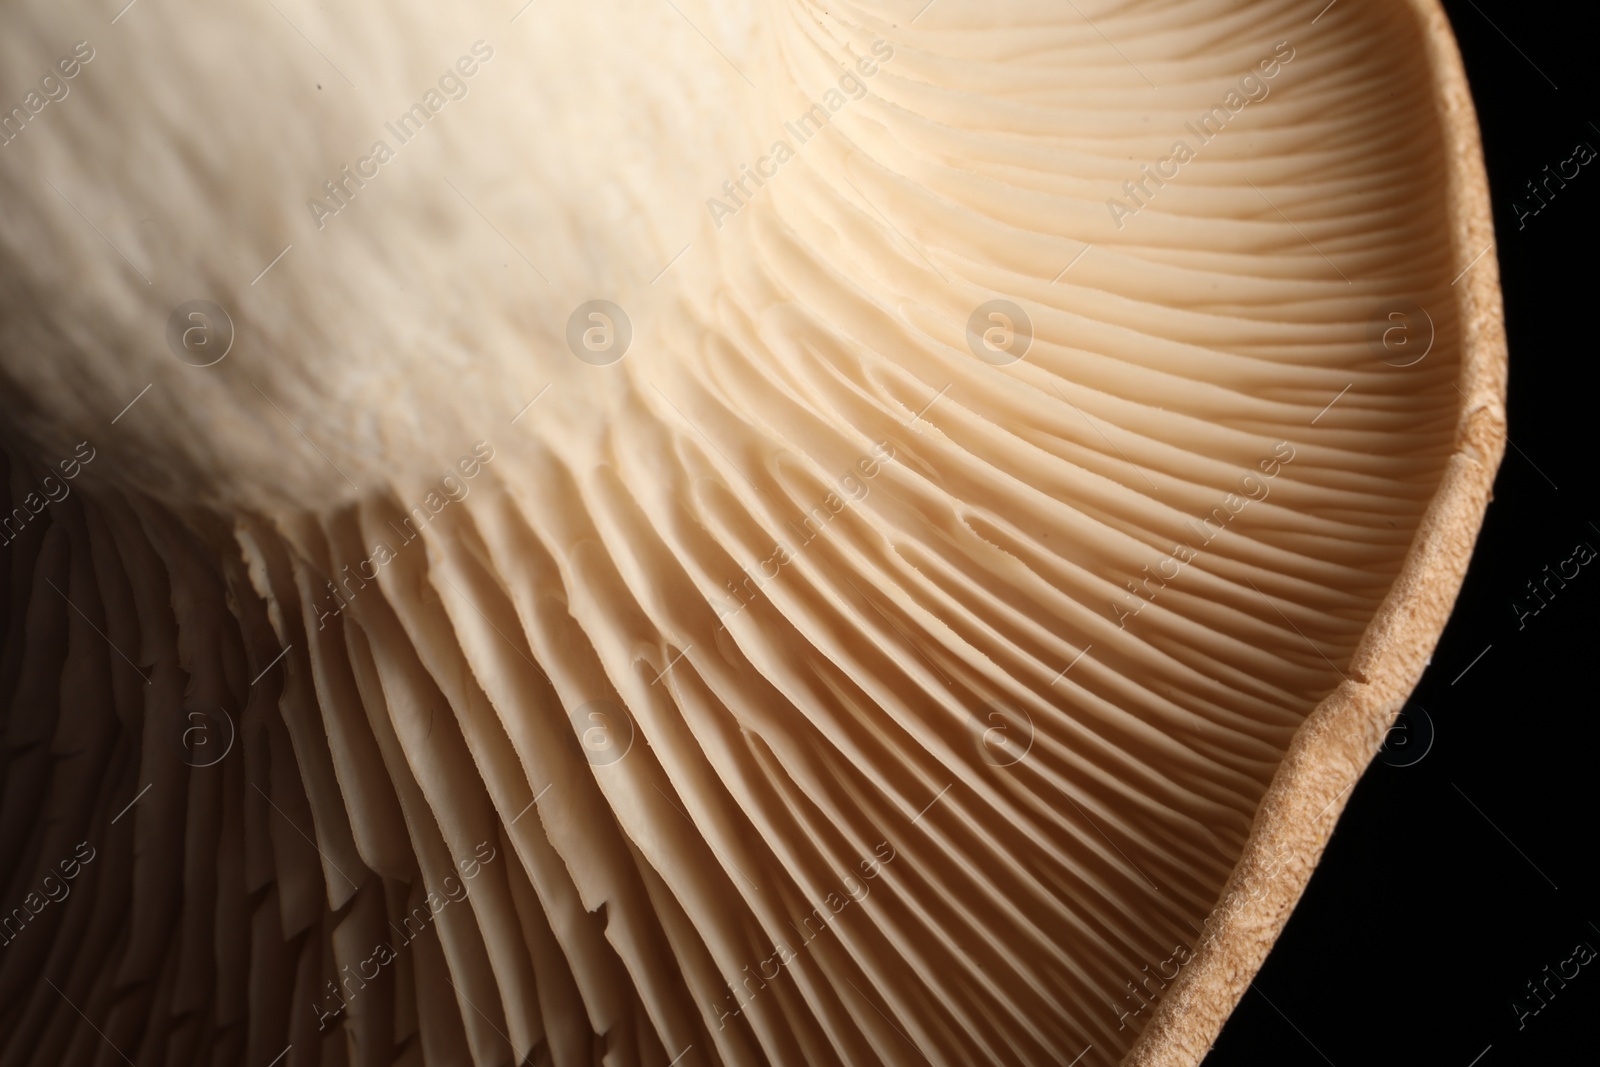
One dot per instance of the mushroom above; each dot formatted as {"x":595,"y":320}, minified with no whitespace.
{"x":670,"y":534}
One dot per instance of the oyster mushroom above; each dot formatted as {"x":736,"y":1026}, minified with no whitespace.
{"x":665,"y":534}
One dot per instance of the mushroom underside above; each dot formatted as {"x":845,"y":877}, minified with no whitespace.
{"x":948,"y":633}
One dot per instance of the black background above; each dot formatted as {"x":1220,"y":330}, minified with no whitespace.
{"x":1452,"y":882}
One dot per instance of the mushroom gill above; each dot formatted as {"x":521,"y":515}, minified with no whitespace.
{"x":673,"y":534}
